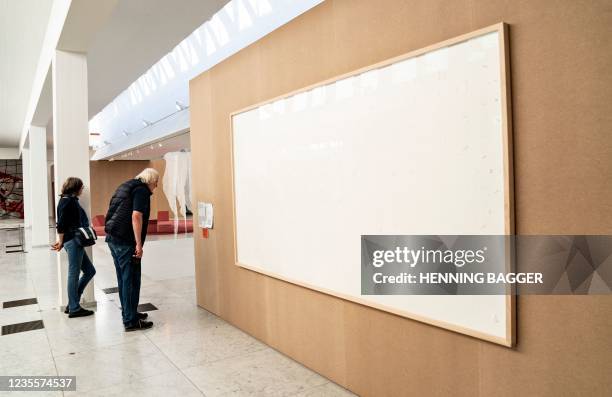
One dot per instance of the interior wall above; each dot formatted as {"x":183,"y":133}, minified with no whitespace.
{"x":106,"y":176}
{"x":560,"y":61}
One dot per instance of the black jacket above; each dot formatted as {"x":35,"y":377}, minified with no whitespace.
{"x":70,"y":216}
{"x":118,"y":224}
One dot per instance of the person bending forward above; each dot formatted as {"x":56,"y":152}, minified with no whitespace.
{"x":126,"y":224}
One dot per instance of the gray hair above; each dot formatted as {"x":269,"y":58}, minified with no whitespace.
{"x":148,"y":175}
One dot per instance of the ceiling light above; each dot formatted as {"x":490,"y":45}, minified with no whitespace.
{"x":125,"y":133}
{"x":146,"y":123}
{"x":107,"y":143}
{"x":180,"y":106}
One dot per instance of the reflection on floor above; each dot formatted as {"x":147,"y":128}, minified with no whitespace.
{"x":188,"y":352}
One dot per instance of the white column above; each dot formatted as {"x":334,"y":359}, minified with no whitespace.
{"x":27,"y":186}
{"x":39,"y":202}
{"x":71,"y":140}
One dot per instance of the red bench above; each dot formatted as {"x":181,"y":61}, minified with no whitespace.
{"x":98,"y":224}
{"x":165,"y":225}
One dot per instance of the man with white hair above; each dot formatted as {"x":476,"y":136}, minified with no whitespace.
{"x":126,"y":225}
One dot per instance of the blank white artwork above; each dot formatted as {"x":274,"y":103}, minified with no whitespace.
{"x":412,"y":148}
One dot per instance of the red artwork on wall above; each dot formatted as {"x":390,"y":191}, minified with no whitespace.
{"x":11,"y":189}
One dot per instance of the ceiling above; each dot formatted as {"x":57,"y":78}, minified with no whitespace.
{"x":157,"y":150}
{"x":22,"y":28}
{"x":136,"y":35}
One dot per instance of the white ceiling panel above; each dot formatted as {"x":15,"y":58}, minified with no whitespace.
{"x":22,"y":28}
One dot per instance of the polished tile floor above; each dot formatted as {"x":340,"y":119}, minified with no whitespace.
{"x":188,"y":352}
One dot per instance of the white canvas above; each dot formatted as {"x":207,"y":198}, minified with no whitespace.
{"x":411,"y":148}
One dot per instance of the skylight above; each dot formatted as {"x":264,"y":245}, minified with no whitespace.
{"x":153,"y":96}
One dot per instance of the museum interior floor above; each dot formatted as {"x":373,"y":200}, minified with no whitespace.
{"x":189,"y":351}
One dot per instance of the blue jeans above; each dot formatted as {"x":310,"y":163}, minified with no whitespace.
{"x":77,"y":261}
{"x":128,"y":281}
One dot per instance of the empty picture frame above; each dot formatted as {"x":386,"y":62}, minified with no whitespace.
{"x":419,"y":145}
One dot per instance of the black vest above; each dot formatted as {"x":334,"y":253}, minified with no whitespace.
{"x":118,"y":224}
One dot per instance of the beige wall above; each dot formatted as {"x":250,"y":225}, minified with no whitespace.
{"x":561,"y":56}
{"x":106,"y":176}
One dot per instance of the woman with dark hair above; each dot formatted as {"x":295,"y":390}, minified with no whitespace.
{"x":70,"y":217}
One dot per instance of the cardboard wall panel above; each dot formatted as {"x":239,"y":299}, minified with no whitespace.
{"x":560,"y":55}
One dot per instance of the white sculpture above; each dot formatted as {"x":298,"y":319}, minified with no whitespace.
{"x":177,"y":184}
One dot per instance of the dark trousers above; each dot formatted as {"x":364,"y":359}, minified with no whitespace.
{"x":128,"y":281}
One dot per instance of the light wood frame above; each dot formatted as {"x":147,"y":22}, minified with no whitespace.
{"x":502,"y":29}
